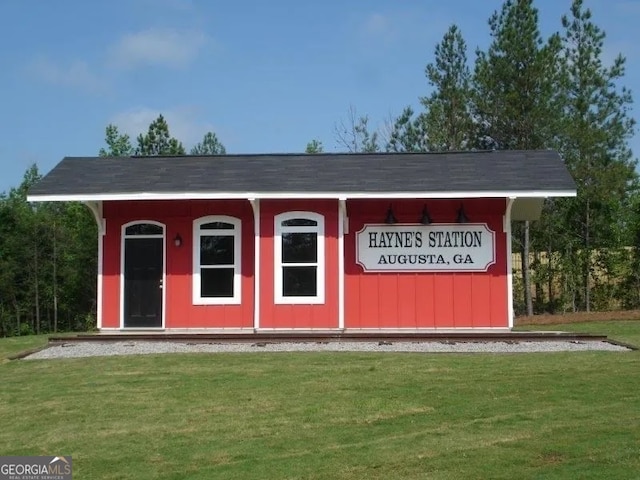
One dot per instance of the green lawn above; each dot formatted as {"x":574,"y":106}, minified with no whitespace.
{"x":332,"y":415}
{"x":14,"y":345}
{"x":627,"y":331}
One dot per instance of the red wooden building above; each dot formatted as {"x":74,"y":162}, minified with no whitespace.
{"x":345,"y":242}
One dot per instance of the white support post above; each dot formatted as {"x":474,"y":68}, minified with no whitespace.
{"x":507,"y":231}
{"x":255,"y":206}
{"x":96,"y":210}
{"x":343,"y":226}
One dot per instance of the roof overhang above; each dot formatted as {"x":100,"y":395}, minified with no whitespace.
{"x":530,"y":200}
{"x":527,"y":208}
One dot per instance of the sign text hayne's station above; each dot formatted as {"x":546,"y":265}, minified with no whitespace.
{"x":426,"y":248}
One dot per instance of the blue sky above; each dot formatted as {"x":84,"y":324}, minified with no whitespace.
{"x":265,"y":76}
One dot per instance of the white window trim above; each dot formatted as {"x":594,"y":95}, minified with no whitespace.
{"x":237,"y":260}
{"x":279,"y":298}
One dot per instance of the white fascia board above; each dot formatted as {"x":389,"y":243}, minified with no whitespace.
{"x":292,"y":195}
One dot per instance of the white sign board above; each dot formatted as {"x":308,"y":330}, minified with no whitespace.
{"x":449,"y":247}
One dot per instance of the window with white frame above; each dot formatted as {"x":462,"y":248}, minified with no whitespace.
{"x":216,"y":260}
{"x":299,"y":258}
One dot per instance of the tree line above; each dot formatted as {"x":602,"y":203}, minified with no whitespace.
{"x":525,"y":91}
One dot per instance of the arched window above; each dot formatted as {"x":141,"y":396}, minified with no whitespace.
{"x":216,"y":260}
{"x":299,"y":258}
{"x":139,"y":229}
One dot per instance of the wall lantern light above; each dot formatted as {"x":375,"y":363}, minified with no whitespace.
{"x":177,"y":241}
{"x":462,"y":217}
{"x":391,"y":218}
{"x":425,"y":219}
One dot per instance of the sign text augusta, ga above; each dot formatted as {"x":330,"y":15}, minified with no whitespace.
{"x":426,"y":248}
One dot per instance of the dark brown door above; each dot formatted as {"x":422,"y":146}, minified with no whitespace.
{"x":143,"y":265}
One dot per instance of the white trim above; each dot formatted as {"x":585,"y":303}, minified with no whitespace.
{"x":80,"y":197}
{"x":366,"y":263}
{"x":342,"y":219}
{"x":246,"y":330}
{"x":388,"y":330}
{"x":250,"y":331}
{"x":279,"y":298}
{"x":255,"y":206}
{"x":507,"y":231}
{"x":139,"y":329}
{"x":123,"y":237}
{"x":442,"y":330}
{"x":143,"y":236}
{"x":301,"y":330}
{"x":96,"y":210}
{"x":236,"y":233}
{"x":99,"y":288}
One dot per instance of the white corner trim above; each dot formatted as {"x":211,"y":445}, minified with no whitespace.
{"x":507,"y":230}
{"x":236,"y":233}
{"x":86,"y":197}
{"x":342,"y":223}
{"x":99,"y":287}
{"x":279,"y":298}
{"x":255,"y":206}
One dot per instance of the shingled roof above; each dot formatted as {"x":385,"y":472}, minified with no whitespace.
{"x":533,"y":174}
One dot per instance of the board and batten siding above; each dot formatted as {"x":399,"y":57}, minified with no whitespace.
{"x":298,"y":316}
{"x":178,"y":217}
{"x":410,"y":300}
{"x":385,"y":300}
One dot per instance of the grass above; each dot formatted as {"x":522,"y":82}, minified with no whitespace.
{"x":626,"y":331}
{"x":14,"y":345}
{"x":331,"y":416}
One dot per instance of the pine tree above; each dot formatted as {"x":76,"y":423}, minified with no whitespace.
{"x":446,"y":123}
{"x":595,"y":146}
{"x":158,"y":140}
{"x":210,"y":145}
{"x":408,"y":133}
{"x":515,"y":94}
{"x":118,"y":145}
{"x":314,"y":146}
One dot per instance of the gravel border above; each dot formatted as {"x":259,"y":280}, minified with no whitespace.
{"x":97,"y":349}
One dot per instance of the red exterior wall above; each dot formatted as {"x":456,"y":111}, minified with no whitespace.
{"x":178,"y":217}
{"x":426,"y":300}
{"x":372,"y":300}
{"x":298,"y":316}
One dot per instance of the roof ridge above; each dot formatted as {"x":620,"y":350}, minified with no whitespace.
{"x":302,"y":154}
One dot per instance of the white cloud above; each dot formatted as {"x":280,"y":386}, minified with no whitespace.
{"x":77,"y":74}
{"x":157,"y":47}
{"x":378,"y":26}
{"x":184,"y":123}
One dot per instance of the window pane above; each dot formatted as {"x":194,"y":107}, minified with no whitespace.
{"x":143,"y":229}
{"x":216,"y":282}
{"x":299,"y":222}
{"x":216,"y":250}
{"x":299,"y":281}
{"x":217,"y":226}
{"x":299,"y":247}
